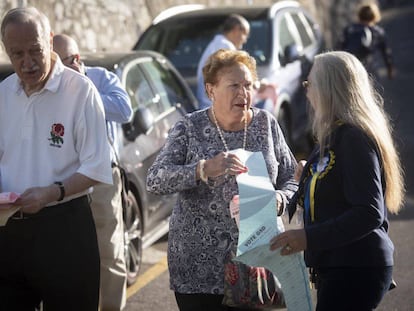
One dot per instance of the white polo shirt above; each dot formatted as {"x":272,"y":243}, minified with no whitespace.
{"x":219,"y":42}
{"x":53,"y":133}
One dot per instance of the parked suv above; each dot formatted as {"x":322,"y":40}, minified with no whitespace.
{"x":283,"y":39}
{"x":159,"y":97}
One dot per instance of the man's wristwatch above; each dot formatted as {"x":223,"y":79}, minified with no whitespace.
{"x":62,"y":190}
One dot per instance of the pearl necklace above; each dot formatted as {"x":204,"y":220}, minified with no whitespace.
{"x":221,"y":133}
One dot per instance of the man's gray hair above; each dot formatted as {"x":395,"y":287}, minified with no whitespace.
{"x":26,"y":15}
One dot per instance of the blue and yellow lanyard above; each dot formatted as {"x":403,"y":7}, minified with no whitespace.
{"x":315,"y":174}
{"x":310,"y":197}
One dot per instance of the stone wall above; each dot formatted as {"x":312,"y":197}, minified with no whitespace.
{"x":115,"y":25}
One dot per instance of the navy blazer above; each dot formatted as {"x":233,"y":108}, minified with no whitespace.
{"x":350,"y":224}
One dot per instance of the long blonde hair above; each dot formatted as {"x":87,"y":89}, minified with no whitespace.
{"x":343,"y":91}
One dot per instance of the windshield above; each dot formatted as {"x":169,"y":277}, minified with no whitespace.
{"x":183,"y":43}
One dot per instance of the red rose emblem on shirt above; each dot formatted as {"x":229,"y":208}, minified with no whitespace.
{"x":56,"y":134}
{"x":58,"y":129}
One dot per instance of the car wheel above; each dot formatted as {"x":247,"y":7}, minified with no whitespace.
{"x":283,"y":119}
{"x":132,"y":238}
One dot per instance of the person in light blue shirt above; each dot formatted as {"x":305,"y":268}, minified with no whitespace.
{"x":235,"y":32}
{"x":106,"y":199}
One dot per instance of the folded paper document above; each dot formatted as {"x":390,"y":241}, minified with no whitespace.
{"x":259,"y":224}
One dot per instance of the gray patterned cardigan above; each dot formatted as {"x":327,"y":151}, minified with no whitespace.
{"x":202,"y":232}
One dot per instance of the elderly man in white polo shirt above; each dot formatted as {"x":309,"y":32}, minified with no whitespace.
{"x":53,"y":148}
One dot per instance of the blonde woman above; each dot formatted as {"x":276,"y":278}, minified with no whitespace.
{"x":350,"y":182}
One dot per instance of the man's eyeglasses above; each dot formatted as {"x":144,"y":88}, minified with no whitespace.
{"x":69,"y":60}
{"x":305,"y":84}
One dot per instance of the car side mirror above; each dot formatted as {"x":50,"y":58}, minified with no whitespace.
{"x":291,"y":53}
{"x":142,"y":123}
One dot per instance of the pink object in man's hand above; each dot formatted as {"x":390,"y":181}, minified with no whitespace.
{"x":8,"y":197}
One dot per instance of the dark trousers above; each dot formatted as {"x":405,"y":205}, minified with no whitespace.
{"x":52,"y":256}
{"x":356,"y":289}
{"x":203,"y":302}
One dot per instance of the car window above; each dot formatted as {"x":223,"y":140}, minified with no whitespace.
{"x":302,"y":28}
{"x":166,"y":85}
{"x":139,"y":90}
{"x":260,"y":40}
{"x":311,"y":27}
{"x":285,"y":36}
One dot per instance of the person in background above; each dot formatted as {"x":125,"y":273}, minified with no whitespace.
{"x":106,"y":199}
{"x":350,"y":182}
{"x":366,"y":38}
{"x":53,"y":148}
{"x":235,"y":31}
{"x":202,"y":232}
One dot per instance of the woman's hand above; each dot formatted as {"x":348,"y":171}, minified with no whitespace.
{"x":224,"y":163}
{"x":291,"y":241}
